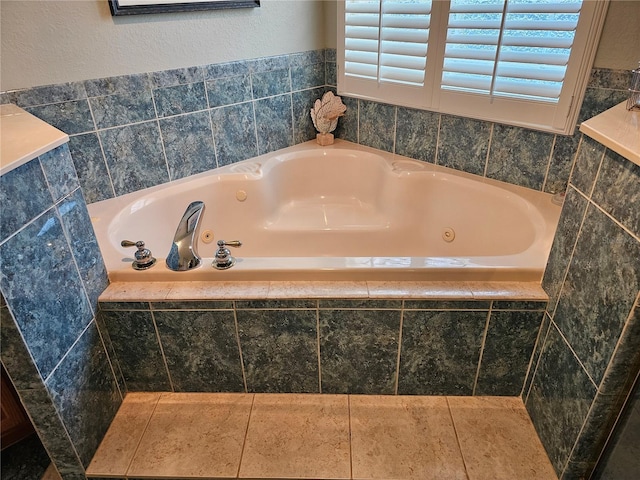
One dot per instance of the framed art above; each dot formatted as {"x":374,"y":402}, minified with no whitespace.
{"x":137,"y":7}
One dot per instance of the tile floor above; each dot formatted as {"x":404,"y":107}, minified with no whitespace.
{"x":290,"y":436}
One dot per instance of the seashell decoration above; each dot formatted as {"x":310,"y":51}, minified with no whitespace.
{"x":325,"y":114}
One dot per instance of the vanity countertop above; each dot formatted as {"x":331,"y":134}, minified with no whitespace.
{"x":617,"y":129}
{"x":24,"y":137}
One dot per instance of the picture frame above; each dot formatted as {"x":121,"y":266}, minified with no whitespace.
{"x":138,"y":7}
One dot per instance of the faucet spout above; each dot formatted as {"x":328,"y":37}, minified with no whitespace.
{"x":183,"y":255}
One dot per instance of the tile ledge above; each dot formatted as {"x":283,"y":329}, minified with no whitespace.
{"x":161,"y":291}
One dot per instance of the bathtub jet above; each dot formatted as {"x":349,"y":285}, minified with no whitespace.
{"x":339,"y":212}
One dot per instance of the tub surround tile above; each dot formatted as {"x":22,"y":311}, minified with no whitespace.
{"x":218,"y":290}
{"x":519,"y":156}
{"x":122,"y":108}
{"x":375,"y":125}
{"x":121,"y":440}
{"x":178,"y":76}
{"x":588,"y":160}
{"x":507,"y":352}
{"x":463,"y":144}
{"x":26,"y":190}
{"x":180,"y":99}
{"x":193,"y":436}
{"x":234,"y":131}
{"x":519,"y":305}
{"x":507,"y":291}
{"x":309,"y":57}
{"x":270,"y":83}
{"x":111,"y":353}
{"x":188,"y":144}
{"x":318,"y":290}
{"x":266,"y":64}
{"x":52,"y":433}
{"x":331,"y":74}
{"x":617,"y":192}
{"x":597,"y":100}
{"x":435,"y":290}
{"x":70,"y":117}
{"x":124,"y":147}
{"x":279,"y":350}
{"x":509,"y":435}
{"x":193,"y":305}
{"x":84,"y":246}
{"x":440,"y":352}
{"x":14,"y":354}
{"x":599,"y":291}
{"x":609,"y":79}
{"x":345,"y":304}
{"x":417,"y":134}
{"x":91,"y":167}
{"x":274,"y":123}
{"x":276,"y":304}
{"x":446,"y":305}
{"x":347,"y":128}
{"x":307,"y":76}
{"x":359,"y":350}
{"x":559,"y":400}
{"x":315,"y":427}
{"x":115,"y":85}
{"x":59,"y":171}
{"x":229,"y":90}
{"x":135,"y":341}
{"x":228,"y":69}
{"x":132,"y":292}
{"x":562,"y":157}
{"x":201,"y":349}
{"x":46,"y":294}
{"x":537,"y":352}
{"x":82,"y":383}
{"x":564,"y":241}
{"x":403,"y":437}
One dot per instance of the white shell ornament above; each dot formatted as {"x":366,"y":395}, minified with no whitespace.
{"x":325,"y":114}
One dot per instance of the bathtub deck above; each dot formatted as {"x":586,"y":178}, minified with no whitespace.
{"x":205,"y":435}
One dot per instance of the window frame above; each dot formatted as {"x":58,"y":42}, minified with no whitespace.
{"x":559,"y":118}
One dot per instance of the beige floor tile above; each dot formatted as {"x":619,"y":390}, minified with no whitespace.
{"x":498,"y":440}
{"x":121,"y":440}
{"x":404,"y":437}
{"x":297,"y":436}
{"x":194,"y":435}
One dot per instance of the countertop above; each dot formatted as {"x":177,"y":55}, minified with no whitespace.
{"x":24,"y":137}
{"x":618,"y":129}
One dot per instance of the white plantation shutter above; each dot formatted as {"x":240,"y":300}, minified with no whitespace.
{"x":521,"y":62}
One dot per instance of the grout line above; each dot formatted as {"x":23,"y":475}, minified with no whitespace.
{"x":597,"y":175}
{"x":546,"y":173}
{"x":435,"y":156}
{"x":455,"y":431}
{"x":66,"y":354}
{"x":246,"y":433}
{"x":235,"y":321}
{"x":397,"y":381}
{"x":484,"y":341}
{"x":489,"y":145}
{"x":144,"y":430}
{"x":164,"y":151}
{"x":394,"y":142}
{"x":164,"y":358}
{"x":96,"y":130}
{"x":564,"y":339}
{"x":535,"y":369}
{"x":318,"y":345}
{"x":530,"y":367}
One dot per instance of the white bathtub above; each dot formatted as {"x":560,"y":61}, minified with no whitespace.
{"x":342,"y":212}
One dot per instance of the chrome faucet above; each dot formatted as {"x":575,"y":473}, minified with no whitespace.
{"x":183,"y":255}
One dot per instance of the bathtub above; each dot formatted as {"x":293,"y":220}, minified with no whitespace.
{"x":339,"y":212}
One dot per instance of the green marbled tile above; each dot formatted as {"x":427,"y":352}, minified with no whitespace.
{"x":440,"y":352}
{"x":507,"y":352}
{"x":417,"y":134}
{"x":359,"y":350}
{"x":279,"y":350}
{"x":201,"y":349}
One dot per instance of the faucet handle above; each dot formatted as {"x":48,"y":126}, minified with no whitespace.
{"x":223,"y":258}
{"x":143,"y":258}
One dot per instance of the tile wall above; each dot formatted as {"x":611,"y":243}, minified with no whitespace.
{"x":127,"y":133}
{"x":136,"y":131}
{"x":51,"y":274}
{"x":590,"y":355}
{"x":330,"y":346}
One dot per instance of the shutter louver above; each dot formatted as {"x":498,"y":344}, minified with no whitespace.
{"x":386,"y":40}
{"x":509,"y":48}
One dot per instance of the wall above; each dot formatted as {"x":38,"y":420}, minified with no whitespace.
{"x":50,"y":42}
{"x":589,"y":354}
{"x":51,"y":274}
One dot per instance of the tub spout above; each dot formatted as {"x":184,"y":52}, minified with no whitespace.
{"x":183,"y":255}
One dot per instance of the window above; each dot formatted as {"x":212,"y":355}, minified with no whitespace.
{"x":520,"y":62}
